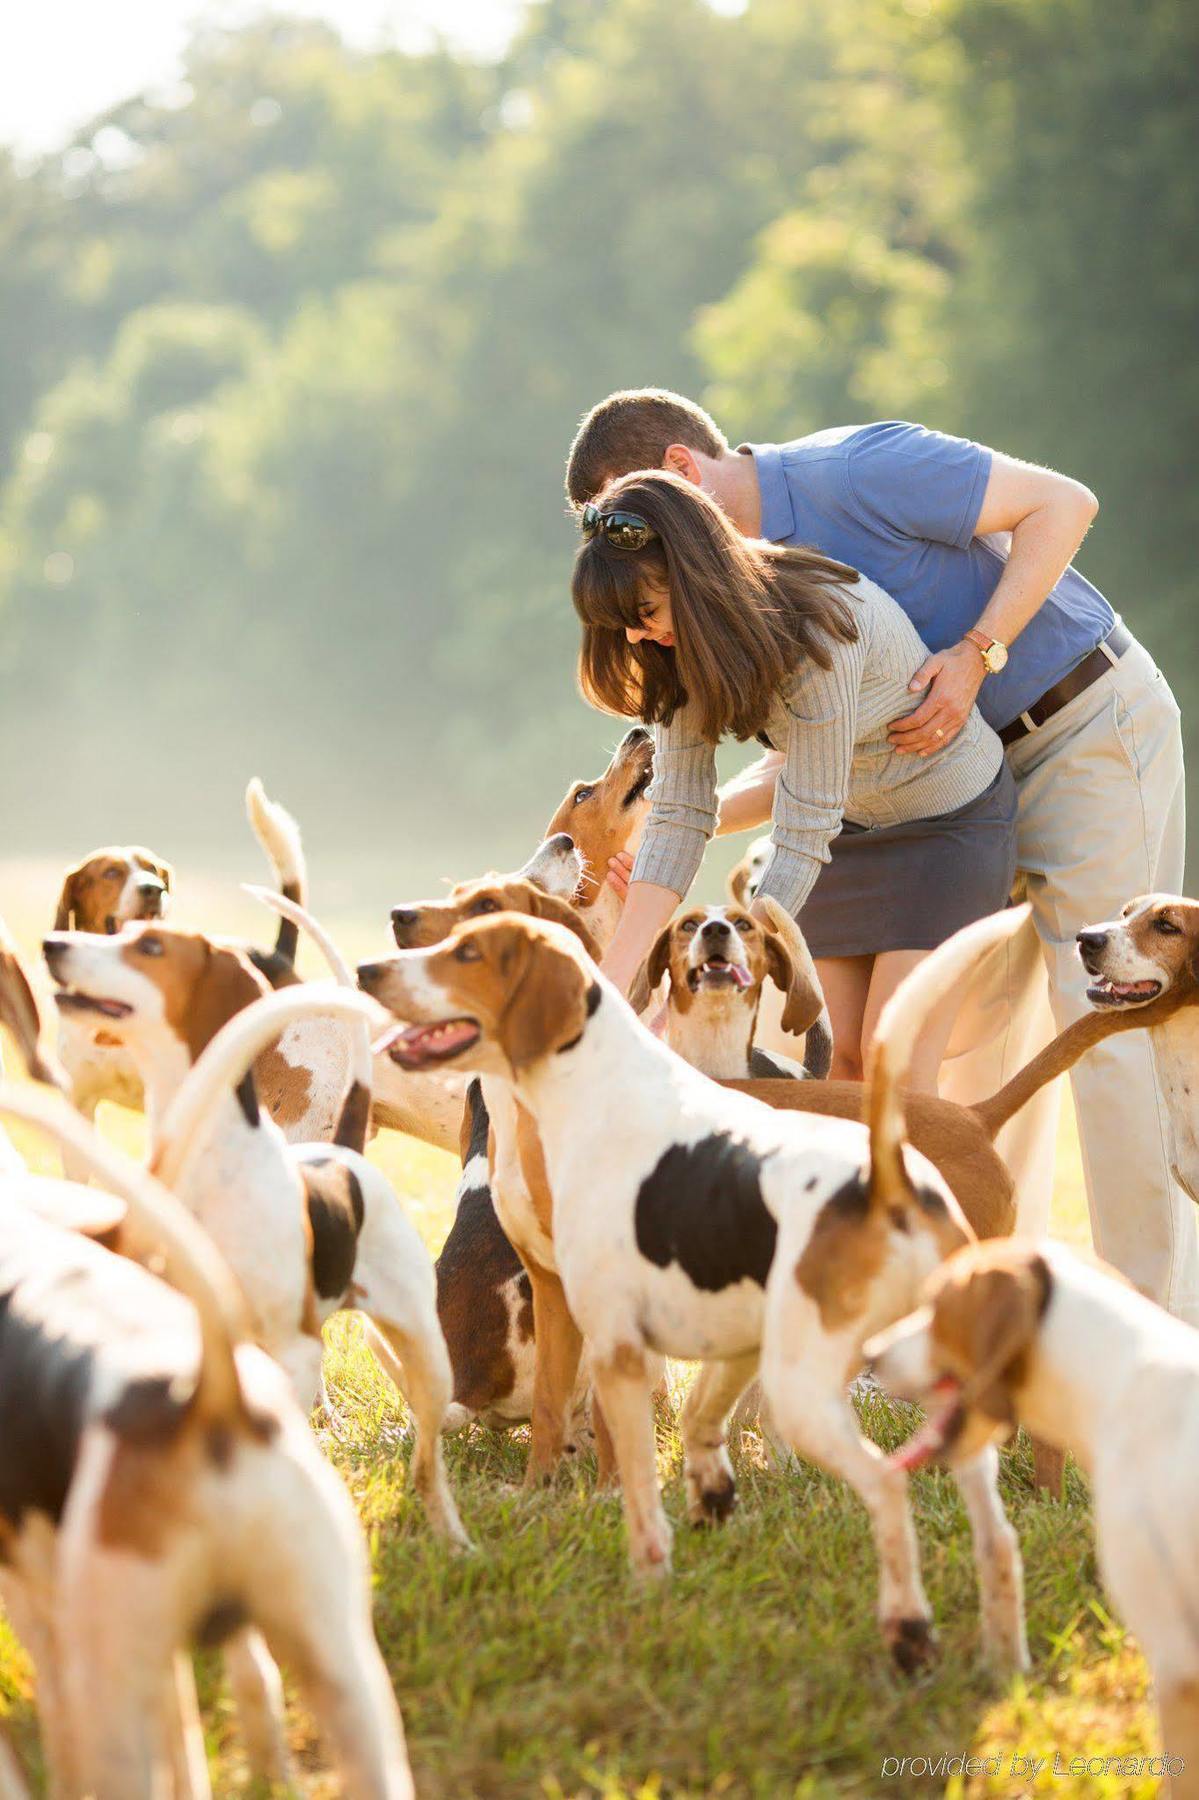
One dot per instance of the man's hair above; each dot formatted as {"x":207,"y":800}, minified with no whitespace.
{"x":633,"y":430}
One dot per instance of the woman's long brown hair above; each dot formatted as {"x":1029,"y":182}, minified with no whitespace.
{"x":744,"y":613}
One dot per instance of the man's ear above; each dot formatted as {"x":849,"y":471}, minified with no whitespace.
{"x":682,"y":461}
{"x":145,"y":860}
{"x":548,"y":1006}
{"x":68,"y":899}
{"x":228,"y":982}
{"x":790,"y":967}
{"x":651,"y":971}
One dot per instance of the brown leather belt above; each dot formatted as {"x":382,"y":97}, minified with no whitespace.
{"x":1070,"y":686}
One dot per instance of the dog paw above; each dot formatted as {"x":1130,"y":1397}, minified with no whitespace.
{"x":713,"y":1505}
{"x":912,"y":1643}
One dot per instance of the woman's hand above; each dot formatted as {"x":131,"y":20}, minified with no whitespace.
{"x":620,"y":869}
{"x":953,"y":678}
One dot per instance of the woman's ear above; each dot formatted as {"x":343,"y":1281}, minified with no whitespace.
{"x":651,"y":971}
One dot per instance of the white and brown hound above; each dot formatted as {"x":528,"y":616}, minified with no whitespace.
{"x":159,"y":1488}
{"x":515,"y":1349}
{"x":691,"y":1221}
{"x":1029,"y":1331}
{"x":718,"y":961}
{"x":306,"y":1229}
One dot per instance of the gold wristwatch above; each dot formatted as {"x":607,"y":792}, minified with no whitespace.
{"x":993,"y":653}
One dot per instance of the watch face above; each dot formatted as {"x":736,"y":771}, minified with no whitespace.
{"x":995,"y":657}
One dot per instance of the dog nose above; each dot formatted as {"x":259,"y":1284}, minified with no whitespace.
{"x":403,"y":918}
{"x":368,"y":976}
{"x":1091,"y":940}
{"x":53,"y":948}
{"x":562,"y":842}
{"x":715,"y":928}
{"x":637,"y":735}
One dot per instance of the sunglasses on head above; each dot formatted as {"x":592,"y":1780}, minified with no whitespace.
{"x":623,"y":530}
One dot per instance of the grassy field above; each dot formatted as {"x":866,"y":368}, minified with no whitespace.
{"x":538,"y":1668}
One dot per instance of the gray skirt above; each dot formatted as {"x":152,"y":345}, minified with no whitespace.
{"x":910,"y":886}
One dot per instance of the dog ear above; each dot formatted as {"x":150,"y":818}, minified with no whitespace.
{"x":1004,"y":1307}
{"x":146,"y":860}
{"x":790,"y":967}
{"x":68,"y":899}
{"x":547,"y":1009}
{"x":549,"y":906}
{"x":20,"y":1012}
{"x":651,"y":971}
{"x":739,"y":879}
{"x":227,"y":983}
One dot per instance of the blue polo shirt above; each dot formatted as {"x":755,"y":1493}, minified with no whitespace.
{"x":900,"y":503}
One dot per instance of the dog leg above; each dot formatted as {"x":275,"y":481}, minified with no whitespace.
{"x":28,"y":1601}
{"x":821,"y":1426}
{"x":707,"y":1471}
{"x":189,"y":1764}
{"x":997,"y":1562}
{"x":624,"y":1385}
{"x":12,"y":1782}
{"x":426,"y":1383}
{"x":558,"y":1344}
{"x":606,"y":1473}
{"x":1178,"y":1704}
{"x":1048,"y":1469}
{"x":257,"y":1690}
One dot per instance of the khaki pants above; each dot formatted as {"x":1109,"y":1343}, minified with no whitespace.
{"x":1101,"y":819}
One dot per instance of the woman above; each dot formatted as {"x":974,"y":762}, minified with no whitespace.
{"x":704,"y":634}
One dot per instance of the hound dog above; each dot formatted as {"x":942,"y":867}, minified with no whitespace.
{"x":515,"y":1348}
{"x":307,"y":1230}
{"x":19,"y":1011}
{"x":692,"y":1221}
{"x":717,"y":961}
{"x":159,"y":1488}
{"x":114,"y":886}
{"x":1030,"y":1331}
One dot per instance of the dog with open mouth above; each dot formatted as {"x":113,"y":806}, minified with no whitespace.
{"x":1031,"y":1332}
{"x":515,"y":1350}
{"x":307,"y":1229}
{"x":691,"y":1221}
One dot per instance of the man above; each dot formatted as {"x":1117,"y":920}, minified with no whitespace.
{"x":978,"y":549}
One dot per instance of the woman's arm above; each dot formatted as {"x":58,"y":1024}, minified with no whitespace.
{"x":747,"y":801}
{"x":646,"y":911}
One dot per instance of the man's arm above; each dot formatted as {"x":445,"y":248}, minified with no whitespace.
{"x":1048,"y":516}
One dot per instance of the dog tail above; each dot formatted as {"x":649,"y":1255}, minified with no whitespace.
{"x":158,"y":1227}
{"x":279,"y":836}
{"x":899,"y":1027}
{"x":225,"y":1060}
{"x":1062,"y":1054}
{"x":354,"y":1120}
{"x":19,"y":1010}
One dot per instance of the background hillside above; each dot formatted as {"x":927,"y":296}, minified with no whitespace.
{"x":290,"y":358}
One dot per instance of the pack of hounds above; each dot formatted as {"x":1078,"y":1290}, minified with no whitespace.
{"x":699,"y":1190}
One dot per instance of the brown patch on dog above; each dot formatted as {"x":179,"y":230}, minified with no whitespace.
{"x":203,"y":984}
{"x":987,"y":1305}
{"x":145,"y":1499}
{"x":532,"y":1168}
{"x":284,"y":1088}
{"x":91,"y":891}
{"x":627,"y":1360}
{"x":843,"y":1256}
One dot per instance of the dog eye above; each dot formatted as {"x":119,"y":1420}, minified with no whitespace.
{"x":150,"y":946}
{"x":467,"y":952}
{"x":116,"y":873}
{"x":583,"y":793}
{"x":485,"y":906}
{"x":1167,"y":927}
{"x":688,"y":926}
{"x":745,"y":926}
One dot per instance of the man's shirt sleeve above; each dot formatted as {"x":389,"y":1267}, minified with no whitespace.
{"x":916,"y":483}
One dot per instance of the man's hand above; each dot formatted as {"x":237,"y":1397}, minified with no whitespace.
{"x":953,"y":678}
{"x":620,"y":867}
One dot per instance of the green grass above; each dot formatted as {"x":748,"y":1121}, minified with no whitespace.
{"x":539,"y":1668}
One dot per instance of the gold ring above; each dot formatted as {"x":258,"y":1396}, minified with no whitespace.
{"x":937,"y":732}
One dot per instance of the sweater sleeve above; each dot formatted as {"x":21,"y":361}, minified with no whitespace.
{"x":809,"y":799}
{"x":682,"y":813}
